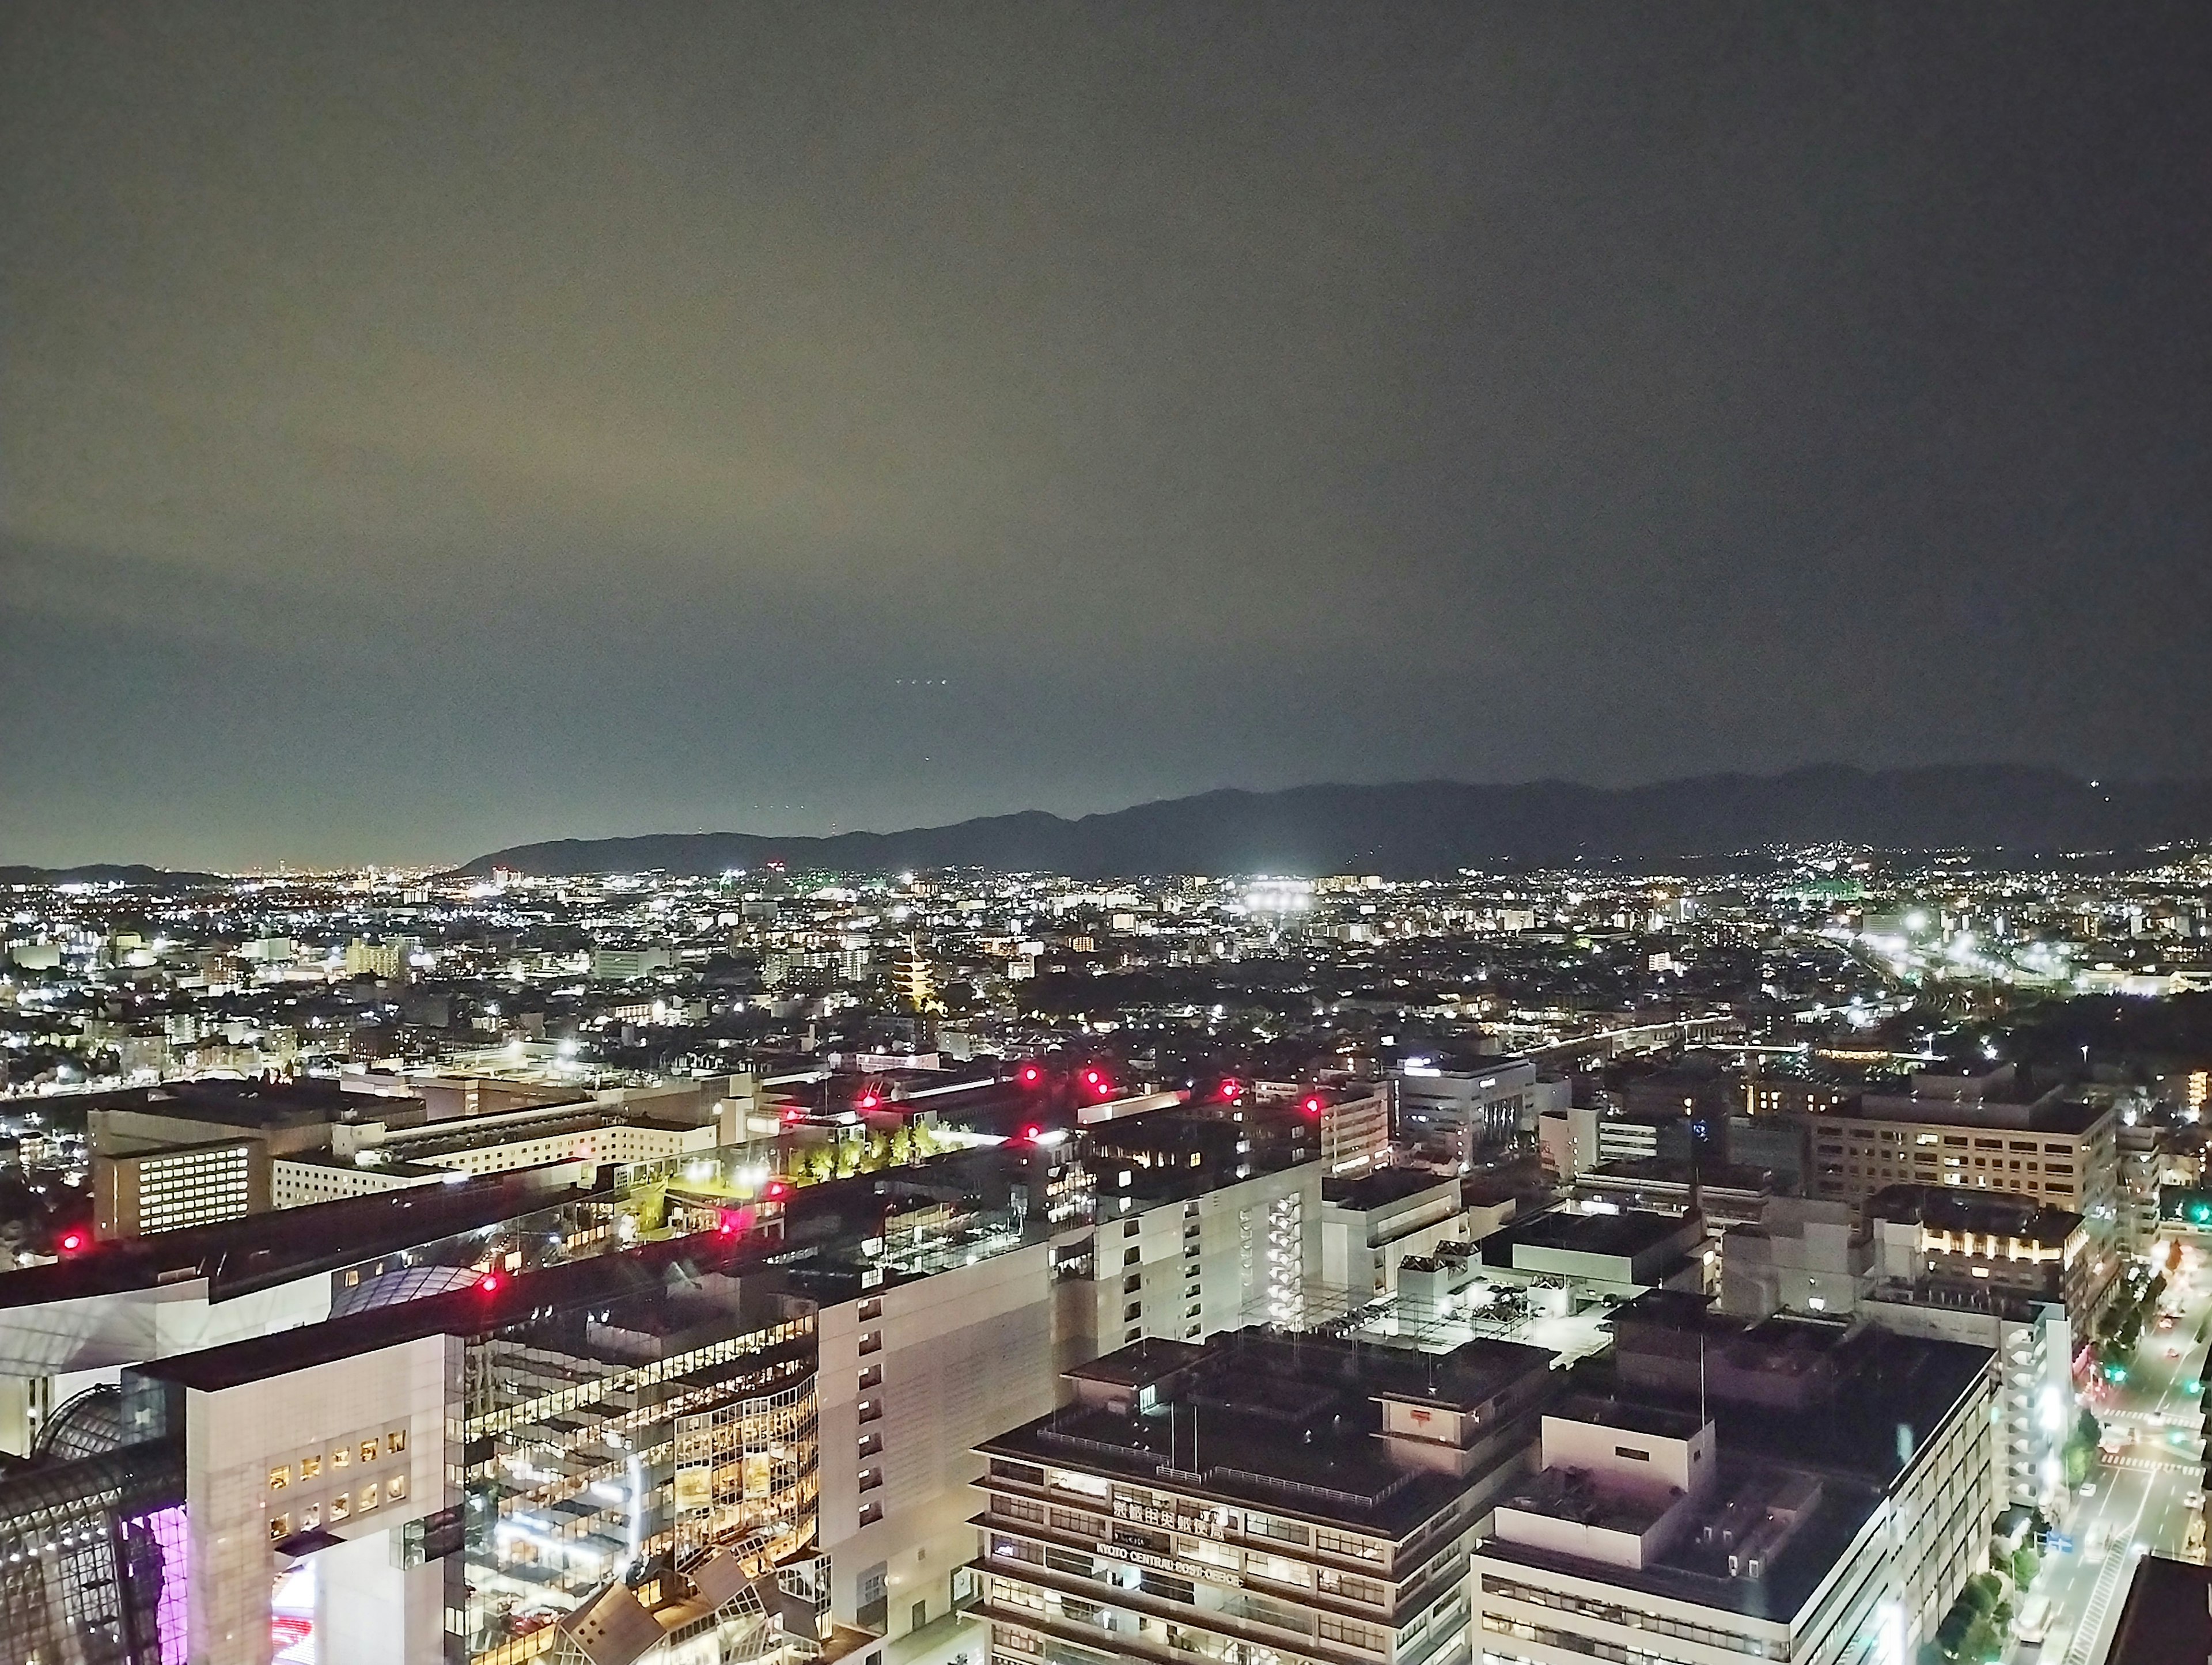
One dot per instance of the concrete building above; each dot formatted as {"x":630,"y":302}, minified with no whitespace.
{"x":193,"y":1153}
{"x":1369,"y":1224}
{"x":367,"y":1156}
{"x":1355,"y":1124}
{"x":1981,"y":1133}
{"x":1262,"y":1497}
{"x":1805,"y":1256}
{"x":628,"y":964}
{"x":364,"y":959}
{"x":1596,"y":1255}
{"x":135,"y":1195}
{"x":1470,"y":1109}
{"x":1831,"y":1397}
{"x":1642,"y":1520}
{"x":1724,"y":1193}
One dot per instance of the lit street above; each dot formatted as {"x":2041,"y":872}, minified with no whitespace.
{"x":2137,"y":1505}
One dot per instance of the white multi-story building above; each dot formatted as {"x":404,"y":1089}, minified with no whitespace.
{"x":1909,"y":1420}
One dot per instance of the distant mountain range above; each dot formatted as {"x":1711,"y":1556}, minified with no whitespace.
{"x":102,"y":872}
{"x":1429,"y":827}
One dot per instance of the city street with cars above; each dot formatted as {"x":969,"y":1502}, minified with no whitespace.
{"x":2144,"y":1490}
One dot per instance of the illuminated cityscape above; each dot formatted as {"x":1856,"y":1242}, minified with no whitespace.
{"x":1105,"y":834}
{"x":656,"y":1218}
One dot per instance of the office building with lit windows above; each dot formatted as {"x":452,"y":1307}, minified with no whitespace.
{"x":1981,"y":1134}
{"x":1264,"y":1497}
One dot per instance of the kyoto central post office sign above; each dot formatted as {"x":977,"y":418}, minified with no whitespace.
{"x":1139,"y":1512}
{"x":1198,"y":1570}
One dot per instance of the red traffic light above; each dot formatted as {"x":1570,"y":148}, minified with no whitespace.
{"x":72,"y":1241}
{"x":489,"y":1283}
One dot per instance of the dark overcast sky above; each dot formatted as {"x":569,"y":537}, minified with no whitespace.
{"x":426,"y":427}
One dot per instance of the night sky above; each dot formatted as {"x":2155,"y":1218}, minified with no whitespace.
{"x":427,"y":428}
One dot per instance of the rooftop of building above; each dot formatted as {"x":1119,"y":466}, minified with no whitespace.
{"x":1633,"y":1416}
{"x":609,"y":1305}
{"x":1832,"y":1510}
{"x":1287,"y":1422}
{"x":1954,"y":1208}
{"x":252,"y":1103}
{"x":254,"y":1251}
{"x":1381,"y":1188}
{"x":2052,"y":1113}
{"x":1851,"y":1398}
{"x":1675,"y":1170}
{"x":1628,"y":1231}
{"x":2167,"y":1617}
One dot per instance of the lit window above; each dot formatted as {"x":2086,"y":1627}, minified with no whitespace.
{"x":367,"y":1498}
{"x":369,"y":1450}
{"x":395,"y":1488}
{"x":280,"y":1526}
{"x":340,"y":1457}
{"x":341,"y":1506}
{"x":310,"y":1467}
{"x":396,"y":1440}
{"x":280,"y":1477}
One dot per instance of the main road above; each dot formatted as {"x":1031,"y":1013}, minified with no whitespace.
{"x":2134,"y":1503}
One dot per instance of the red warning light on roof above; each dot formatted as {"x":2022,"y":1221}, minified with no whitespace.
{"x":869,"y":1100}
{"x":1030,"y":1075}
{"x":489,"y":1283}
{"x":794,"y":1114}
{"x":778,"y":1190}
{"x":1231,"y":1091}
{"x":72,"y":1241}
{"x":1314,"y":1105}
{"x":1033,"y":1131}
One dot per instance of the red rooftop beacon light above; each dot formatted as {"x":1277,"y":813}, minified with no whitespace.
{"x":1231,"y":1091}
{"x":72,"y":1241}
{"x":1315,"y":1104}
{"x":1030,"y":1075}
{"x":778,"y":1190}
{"x":489,"y":1283}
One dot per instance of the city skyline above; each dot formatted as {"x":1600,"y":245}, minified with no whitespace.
{"x":425,"y":432}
